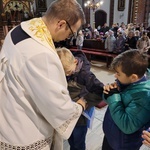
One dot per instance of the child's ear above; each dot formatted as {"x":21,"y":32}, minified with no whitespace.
{"x":76,"y":61}
{"x":134,"y":78}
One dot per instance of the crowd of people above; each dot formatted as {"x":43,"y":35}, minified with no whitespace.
{"x":48,"y":94}
{"x":116,"y":39}
{"x":120,"y":38}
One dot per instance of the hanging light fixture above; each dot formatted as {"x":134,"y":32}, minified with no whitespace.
{"x":93,"y":5}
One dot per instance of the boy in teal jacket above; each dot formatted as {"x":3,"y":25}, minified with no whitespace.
{"x":129,"y":103}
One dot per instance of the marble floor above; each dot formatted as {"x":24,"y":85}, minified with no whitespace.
{"x":95,"y":135}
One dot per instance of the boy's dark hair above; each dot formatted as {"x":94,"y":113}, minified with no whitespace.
{"x":131,"y":62}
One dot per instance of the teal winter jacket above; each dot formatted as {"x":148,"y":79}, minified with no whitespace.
{"x":127,"y":115}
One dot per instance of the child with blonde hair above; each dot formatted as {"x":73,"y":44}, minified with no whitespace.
{"x":81,"y":83}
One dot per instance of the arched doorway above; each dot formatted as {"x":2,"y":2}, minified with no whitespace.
{"x":100,"y":18}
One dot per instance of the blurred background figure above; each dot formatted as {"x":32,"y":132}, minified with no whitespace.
{"x":110,"y":41}
{"x":105,"y":28}
{"x":137,"y":34}
{"x":96,"y":34}
{"x":99,"y":28}
{"x":105,"y":35}
{"x":130,"y":41}
{"x":101,"y":36}
{"x":79,"y":40}
{"x":89,"y":27}
{"x":87,"y":34}
{"x":120,"y":41}
{"x":115,"y":28}
{"x":143,"y":44}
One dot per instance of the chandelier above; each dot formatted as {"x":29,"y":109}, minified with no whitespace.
{"x":92,"y":4}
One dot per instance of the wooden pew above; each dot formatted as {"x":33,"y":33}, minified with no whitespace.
{"x":92,"y":43}
{"x":89,"y":52}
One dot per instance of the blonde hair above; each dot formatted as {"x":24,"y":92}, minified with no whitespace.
{"x":66,"y":57}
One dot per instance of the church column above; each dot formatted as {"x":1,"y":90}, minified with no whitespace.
{"x":1,"y":9}
{"x":111,"y":14}
{"x":147,"y":13}
{"x":86,"y":11}
{"x":140,"y":6}
{"x":130,"y":16}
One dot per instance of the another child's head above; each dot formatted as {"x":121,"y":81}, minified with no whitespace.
{"x":68,"y":60}
{"x":130,"y":66}
{"x":137,"y":33}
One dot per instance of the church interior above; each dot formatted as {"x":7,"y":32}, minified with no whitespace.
{"x":122,"y":18}
{"x":99,"y":12}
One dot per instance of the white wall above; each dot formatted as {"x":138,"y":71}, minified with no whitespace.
{"x":121,"y":16}
{"x":80,"y":2}
{"x":48,"y":2}
{"x":149,"y":20}
{"x":105,"y":7}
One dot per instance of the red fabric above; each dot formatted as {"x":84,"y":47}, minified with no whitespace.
{"x":101,"y":104}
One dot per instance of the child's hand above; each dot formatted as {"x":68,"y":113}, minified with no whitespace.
{"x":108,"y":87}
{"x":146,"y":137}
{"x":111,"y":92}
